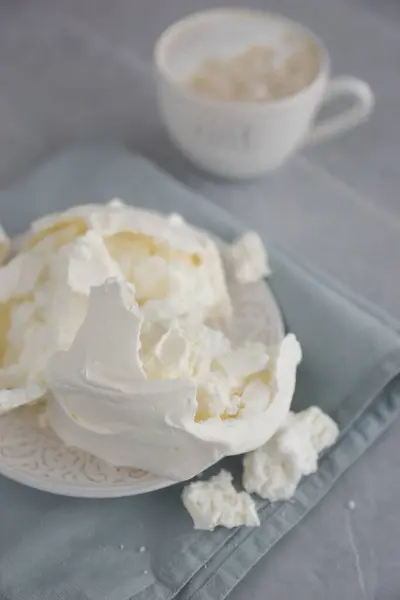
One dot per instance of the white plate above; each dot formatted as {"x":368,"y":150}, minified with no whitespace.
{"x":36,"y":457}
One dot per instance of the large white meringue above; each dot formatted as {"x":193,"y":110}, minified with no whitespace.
{"x":106,"y":312}
{"x":104,"y":404}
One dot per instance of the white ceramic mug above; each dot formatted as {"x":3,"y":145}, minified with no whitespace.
{"x":244,"y":139}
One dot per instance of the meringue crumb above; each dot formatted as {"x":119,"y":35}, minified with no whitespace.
{"x":96,"y":258}
{"x":250,"y":261}
{"x":216,"y":502}
{"x":275,"y":470}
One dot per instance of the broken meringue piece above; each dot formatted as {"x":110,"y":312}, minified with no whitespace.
{"x":216,"y":502}
{"x":275,"y":470}
{"x":144,"y":244}
{"x":104,"y":404}
{"x":270,"y":473}
{"x":110,"y":308}
{"x":84,"y":263}
{"x":323,"y":430}
{"x":47,"y":318}
{"x":44,"y":289}
{"x":107,"y":344}
{"x":250,"y":262}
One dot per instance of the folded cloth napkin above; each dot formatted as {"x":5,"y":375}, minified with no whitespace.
{"x":145,"y":548}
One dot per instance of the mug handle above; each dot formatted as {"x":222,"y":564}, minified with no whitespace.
{"x":363,"y":104}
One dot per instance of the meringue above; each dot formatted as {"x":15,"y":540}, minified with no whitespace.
{"x":216,"y":502}
{"x":44,"y":288}
{"x":106,"y":311}
{"x":274,"y":470}
{"x":14,"y":398}
{"x":50,"y":316}
{"x":104,"y":404}
{"x":249,"y":258}
{"x":193,"y":277}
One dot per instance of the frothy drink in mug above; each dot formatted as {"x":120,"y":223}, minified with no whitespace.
{"x":239,"y":90}
{"x":259,"y":74}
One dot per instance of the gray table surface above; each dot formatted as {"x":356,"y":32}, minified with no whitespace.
{"x":73,"y":70}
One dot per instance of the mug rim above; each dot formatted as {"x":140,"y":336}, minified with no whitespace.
{"x":175,"y":28}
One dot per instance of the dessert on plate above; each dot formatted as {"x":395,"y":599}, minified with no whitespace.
{"x":108,"y":315}
{"x":117,"y":321}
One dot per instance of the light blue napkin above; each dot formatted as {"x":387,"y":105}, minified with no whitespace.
{"x":54,"y":548}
